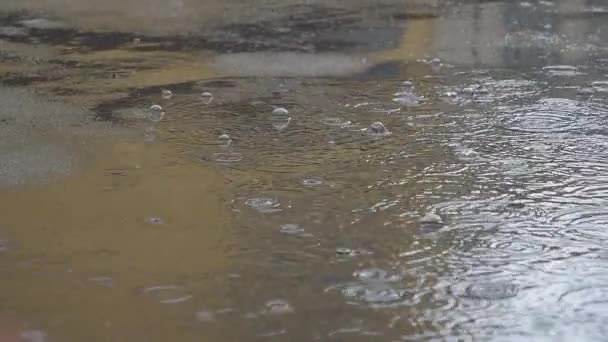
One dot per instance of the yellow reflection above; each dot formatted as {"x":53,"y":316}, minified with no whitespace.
{"x":95,"y":224}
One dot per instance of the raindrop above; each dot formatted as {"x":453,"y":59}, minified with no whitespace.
{"x":155,"y":113}
{"x":207,"y":97}
{"x":166,"y":94}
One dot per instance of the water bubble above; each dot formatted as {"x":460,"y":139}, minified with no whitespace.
{"x":436,"y":60}
{"x":376,"y":275}
{"x":207,"y":97}
{"x":291,"y":229}
{"x":155,"y":113}
{"x":280,"y":111}
{"x":431,"y":218}
{"x":264,"y":204}
{"x":224,"y":140}
{"x":450,"y":94}
{"x":278,"y":307}
{"x":407,"y":84}
{"x":280,"y":119}
{"x":345,"y":251}
{"x":467,"y":91}
{"x":492,"y":290}
{"x":378,"y":129}
{"x":166,"y":94}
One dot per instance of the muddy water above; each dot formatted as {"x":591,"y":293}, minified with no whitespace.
{"x":264,"y":202}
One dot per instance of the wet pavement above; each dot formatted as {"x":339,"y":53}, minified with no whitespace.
{"x":303,"y":170}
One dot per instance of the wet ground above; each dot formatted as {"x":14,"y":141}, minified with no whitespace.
{"x":186,"y":170}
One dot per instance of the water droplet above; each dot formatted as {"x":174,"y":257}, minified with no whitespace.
{"x":264,"y":204}
{"x":278,"y":307}
{"x":155,"y":113}
{"x":378,"y":129}
{"x":207,"y":97}
{"x":166,"y":94}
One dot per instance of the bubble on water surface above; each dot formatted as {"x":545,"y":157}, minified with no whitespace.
{"x":207,"y":98}
{"x":278,"y":307}
{"x":155,"y":113}
{"x":600,"y":86}
{"x":224,"y":140}
{"x":292,"y":229}
{"x":280,"y":119}
{"x":166,"y":94}
{"x":103,"y":281}
{"x":491,"y":290}
{"x":264,"y":204}
{"x":376,"y":275}
{"x":378,"y":129}
{"x":168,"y":294}
{"x":407,"y":98}
{"x":12,"y":31}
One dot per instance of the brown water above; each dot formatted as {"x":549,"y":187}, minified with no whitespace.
{"x":304,"y":225}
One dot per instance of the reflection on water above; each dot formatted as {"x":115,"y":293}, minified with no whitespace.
{"x":364,"y":172}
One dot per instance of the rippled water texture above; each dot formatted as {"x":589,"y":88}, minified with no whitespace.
{"x":304,"y":171}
